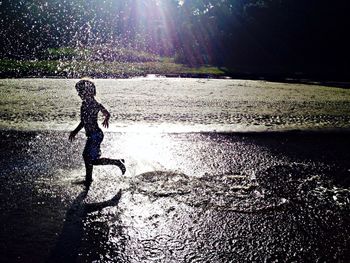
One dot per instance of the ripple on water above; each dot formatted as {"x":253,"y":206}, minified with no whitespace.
{"x":218,"y":191}
{"x":214,"y":217}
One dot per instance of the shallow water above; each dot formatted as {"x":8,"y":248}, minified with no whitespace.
{"x":186,"y":197}
{"x":258,"y":192}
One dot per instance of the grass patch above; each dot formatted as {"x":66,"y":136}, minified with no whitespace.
{"x":16,"y":68}
{"x":101,"y":61}
{"x":99,"y":53}
{"x":65,"y":53}
{"x":101,"y":69}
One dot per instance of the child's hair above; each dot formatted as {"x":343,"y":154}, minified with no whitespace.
{"x":86,"y":86}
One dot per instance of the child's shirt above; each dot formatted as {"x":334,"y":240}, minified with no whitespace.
{"x":88,"y":114}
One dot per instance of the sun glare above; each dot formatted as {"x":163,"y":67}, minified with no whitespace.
{"x":154,"y":18}
{"x":147,"y":151}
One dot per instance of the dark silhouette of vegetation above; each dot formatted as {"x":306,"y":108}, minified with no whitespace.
{"x":264,"y":37}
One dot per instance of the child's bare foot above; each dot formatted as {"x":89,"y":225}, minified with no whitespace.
{"x":120,"y":164}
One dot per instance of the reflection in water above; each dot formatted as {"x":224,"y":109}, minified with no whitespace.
{"x":172,"y":217}
{"x":144,"y":152}
{"x":69,"y":242}
{"x":191,"y":197}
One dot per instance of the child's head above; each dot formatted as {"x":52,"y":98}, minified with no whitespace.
{"x":85,"y":88}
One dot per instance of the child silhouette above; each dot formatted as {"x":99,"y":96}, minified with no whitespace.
{"x":88,"y":120}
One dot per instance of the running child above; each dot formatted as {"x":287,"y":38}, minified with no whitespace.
{"x":88,"y":120}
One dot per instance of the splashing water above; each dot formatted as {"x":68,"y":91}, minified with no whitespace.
{"x":186,"y":197}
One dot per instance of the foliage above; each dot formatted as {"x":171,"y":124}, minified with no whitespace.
{"x":262,"y":35}
{"x":16,"y":68}
{"x":62,"y":53}
{"x":98,"y":53}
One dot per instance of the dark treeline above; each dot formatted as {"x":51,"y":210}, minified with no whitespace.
{"x":259,"y":36}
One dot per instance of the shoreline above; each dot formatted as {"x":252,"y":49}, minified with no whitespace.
{"x":249,"y":133}
{"x":276,"y":79}
{"x":183,"y":129}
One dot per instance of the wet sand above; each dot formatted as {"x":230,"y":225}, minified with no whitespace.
{"x":186,"y":197}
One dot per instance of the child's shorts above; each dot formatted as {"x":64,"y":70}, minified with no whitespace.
{"x":92,"y":149}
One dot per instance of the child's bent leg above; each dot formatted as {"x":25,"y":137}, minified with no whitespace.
{"x":107,"y":161}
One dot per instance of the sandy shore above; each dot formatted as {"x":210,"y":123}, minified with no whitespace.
{"x":177,"y":105}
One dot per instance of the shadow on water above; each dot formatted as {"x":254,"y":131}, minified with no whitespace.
{"x":70,"y":240}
